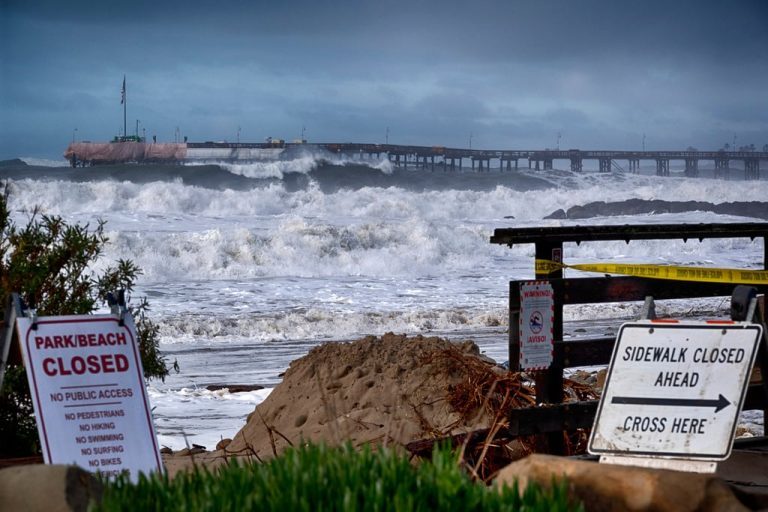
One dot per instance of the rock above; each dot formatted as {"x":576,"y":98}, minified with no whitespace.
{"x":581,"y":376}
{"x":604,"y":487}
{"x":223,"y":444}
{"x":16,"y":162}
{"x":166,"y":451}
{"x":234,"y":388}
{"x":558,"y":214}
{"x":48,"y":488}
{"x":196,"y":449}
{"x":600,"y":379}
{"x":637,"y":206}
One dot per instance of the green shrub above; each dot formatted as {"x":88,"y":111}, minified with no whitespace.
{"x":316,"y":477}
{"x":47,"y":261}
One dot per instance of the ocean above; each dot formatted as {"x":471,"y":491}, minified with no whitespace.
{"x":248,"y":266}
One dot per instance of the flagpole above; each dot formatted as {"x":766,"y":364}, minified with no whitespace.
{"x":125,"y":105}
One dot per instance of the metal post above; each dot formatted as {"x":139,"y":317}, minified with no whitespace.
{"x":125,"y":109}
{"x":12,"y":312}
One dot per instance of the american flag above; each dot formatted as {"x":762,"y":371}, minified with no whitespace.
{"x":122,"y":92}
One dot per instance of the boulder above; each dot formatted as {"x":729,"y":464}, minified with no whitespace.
{"x":606,"y":487}
{"x":48,"y":488}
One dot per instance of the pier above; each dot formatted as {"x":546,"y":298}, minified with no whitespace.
{"x":431,"y":158}
{"x":443,"y":158}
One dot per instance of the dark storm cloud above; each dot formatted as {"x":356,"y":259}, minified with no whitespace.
{"x":513,"y":74}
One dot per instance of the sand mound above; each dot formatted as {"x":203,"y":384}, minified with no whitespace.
{"x":392,"y":389}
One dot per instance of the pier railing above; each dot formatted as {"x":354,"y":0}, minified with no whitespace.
{"x":554,"y":417}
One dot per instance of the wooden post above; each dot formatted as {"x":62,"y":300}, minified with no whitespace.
{"x":552,"y":390}
{"x":514,"y":326}
{"x":549,"y":383}
{"x":762,"y":358}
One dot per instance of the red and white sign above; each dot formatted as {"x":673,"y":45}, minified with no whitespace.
{"x":537,"y":306}
{"x":88,"y":391}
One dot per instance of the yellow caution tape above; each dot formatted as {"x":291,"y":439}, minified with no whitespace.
{"x":673,"y":272}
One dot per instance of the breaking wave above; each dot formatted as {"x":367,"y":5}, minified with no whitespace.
{"x":321,"y":324}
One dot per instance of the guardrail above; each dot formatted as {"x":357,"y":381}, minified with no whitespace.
{"x":555,"y":416}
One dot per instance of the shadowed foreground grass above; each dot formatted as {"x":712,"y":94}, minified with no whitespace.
{"x":317,"y":477}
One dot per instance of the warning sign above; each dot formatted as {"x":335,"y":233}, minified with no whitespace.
{"x":88,"y":391}
{"x":536,"y":324}
{"x":675,"y":390}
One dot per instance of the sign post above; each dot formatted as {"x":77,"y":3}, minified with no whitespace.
{"x":12,"y":311}
{"x":673,"y":393}
{"x":88,"y":391}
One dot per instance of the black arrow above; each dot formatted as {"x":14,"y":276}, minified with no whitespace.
{"x":719,"y":404}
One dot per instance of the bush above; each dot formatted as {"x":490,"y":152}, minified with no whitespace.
{"x":47,"y":261}
{"x":316,"y":477}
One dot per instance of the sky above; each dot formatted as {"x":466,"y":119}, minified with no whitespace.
{"x":505,"y":74}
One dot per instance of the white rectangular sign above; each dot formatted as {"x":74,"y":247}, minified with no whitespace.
{"x":537,"y":308}
{"x":675,"y":390}
{"x":88,"y":391}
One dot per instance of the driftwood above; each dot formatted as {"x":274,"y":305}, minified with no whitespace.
{"x":424,"y":447}
{"x":234,"y":388}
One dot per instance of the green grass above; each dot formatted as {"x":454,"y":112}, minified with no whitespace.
{"x":319,"y":478}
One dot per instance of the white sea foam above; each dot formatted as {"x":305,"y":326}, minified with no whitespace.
{"x":324,"y":323}
{"x":243,"y":281}
{"x":274,"y":169}
{"x":44,"y":162}
{"x":111,"y":197}
{"x":304,"y":163}
{"x":188,"y":416}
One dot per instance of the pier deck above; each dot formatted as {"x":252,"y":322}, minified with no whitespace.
{"x":427,"y":157}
